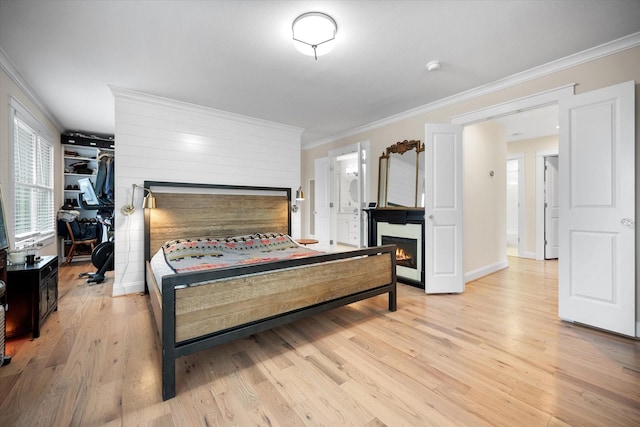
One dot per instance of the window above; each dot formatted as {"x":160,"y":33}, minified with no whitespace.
{"x":33,"y":214}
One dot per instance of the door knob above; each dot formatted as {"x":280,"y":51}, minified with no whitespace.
{"x":627,"y":222}
{"x":430,"y":216}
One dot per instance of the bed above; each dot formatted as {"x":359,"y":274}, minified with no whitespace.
{"x":197,"y":309}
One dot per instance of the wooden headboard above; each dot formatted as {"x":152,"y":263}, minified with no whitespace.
{"x":196,"y":210}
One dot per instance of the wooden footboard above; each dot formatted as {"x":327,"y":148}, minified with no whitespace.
{"x":236,"y":302}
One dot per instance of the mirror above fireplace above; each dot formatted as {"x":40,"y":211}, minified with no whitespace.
{"x":401,"y":175}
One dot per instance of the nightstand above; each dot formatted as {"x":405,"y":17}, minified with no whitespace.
{"x":307,"y":241}
{"x":32,"y":294}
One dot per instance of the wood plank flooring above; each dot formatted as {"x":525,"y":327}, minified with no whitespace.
{"x":494,"y":355}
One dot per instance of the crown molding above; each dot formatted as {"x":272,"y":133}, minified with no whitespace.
{"x":535,"y":100}
{"x":16,"y":76}
{"x":159,"y":101}
{"x":592,"y":54}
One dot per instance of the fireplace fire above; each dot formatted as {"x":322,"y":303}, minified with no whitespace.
{"x":406,"y":250}
{"x":403,"y":258}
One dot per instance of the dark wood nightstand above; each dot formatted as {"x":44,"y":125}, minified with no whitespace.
{"x":32,"y":294}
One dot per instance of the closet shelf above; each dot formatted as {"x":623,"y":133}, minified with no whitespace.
{"x":79,"y":174}
{"x":81,"y":158}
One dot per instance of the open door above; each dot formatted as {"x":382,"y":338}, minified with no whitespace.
{"x":322,"y":202}
{"x":444,"y":272}
{"x":597,"y":209}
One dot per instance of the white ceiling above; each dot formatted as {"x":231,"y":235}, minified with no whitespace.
{"x":238,"y":56}
{"x":530,"y":124}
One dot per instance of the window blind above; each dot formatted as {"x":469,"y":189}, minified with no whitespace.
{"x":33,"y":183}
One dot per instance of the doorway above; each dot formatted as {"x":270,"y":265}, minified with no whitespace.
{"x":340,"y":184}
{"x":531,"y":135}
{"x":515,"y":205}
{"x":597,"y":234}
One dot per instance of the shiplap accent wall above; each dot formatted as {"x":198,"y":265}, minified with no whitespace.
{"x":161,"y":139}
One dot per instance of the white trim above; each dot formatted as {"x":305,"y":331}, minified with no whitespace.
{"x":25,"y":115}
{"x":120,"y":289}
{"x":540,"y":155}
{"x":610,"y":48}
{"x":484,"y":271}
{"x":530,"y":102}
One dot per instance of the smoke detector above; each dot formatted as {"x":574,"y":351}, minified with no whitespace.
{"x":433,"y":65}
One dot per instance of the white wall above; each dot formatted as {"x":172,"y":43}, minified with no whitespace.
{"x":485,"y":199}
{"x":160,"y":139}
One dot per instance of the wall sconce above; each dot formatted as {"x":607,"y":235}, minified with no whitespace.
{"x":149,"y":201}
{"x":314,"y":33}
{"x":299,"y":198}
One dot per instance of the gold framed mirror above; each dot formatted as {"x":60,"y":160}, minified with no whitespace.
{"x":401,"y":175}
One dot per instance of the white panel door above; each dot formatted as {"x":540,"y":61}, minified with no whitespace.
{"x":597,"y":209}
{"x":551,"y":209}
{"x":322,"y":212}
{"x":443,"y":245}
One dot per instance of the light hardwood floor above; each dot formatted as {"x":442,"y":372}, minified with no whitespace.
{"x":494,"y":355}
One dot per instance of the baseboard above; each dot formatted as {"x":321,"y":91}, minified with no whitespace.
{"x":529,"y":255}
{"x":128,"y":288}
{"x":481,"y":272}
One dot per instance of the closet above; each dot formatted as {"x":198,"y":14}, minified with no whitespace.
{"x":86,"y":156}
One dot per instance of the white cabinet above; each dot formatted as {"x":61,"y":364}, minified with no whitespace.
{"x":343,"y":228}
{"x":79,"y":162}
{"x":348,"y":229}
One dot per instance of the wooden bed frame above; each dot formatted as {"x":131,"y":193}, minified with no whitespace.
{"x":236,"y":302}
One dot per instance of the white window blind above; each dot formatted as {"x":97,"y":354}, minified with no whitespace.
{"x":34,"y":213}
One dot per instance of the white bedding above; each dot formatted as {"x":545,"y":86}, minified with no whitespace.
{"x":160,"y":268}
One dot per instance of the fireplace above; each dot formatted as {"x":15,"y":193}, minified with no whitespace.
{"x":408,"y":238}
{"x":406,"y":250}
{"x":403,"y":227}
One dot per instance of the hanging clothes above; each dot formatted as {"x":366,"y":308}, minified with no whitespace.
{"x":101,"y":177}
{"x":110,"y":181}
{"x":105,"y":178}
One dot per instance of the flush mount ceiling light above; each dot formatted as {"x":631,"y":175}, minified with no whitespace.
{"x":314,"y":33}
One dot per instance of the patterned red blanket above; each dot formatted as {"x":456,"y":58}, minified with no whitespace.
{"x":205,"y":253}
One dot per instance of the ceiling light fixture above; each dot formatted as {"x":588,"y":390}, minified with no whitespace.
{"x":314,"y":33}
